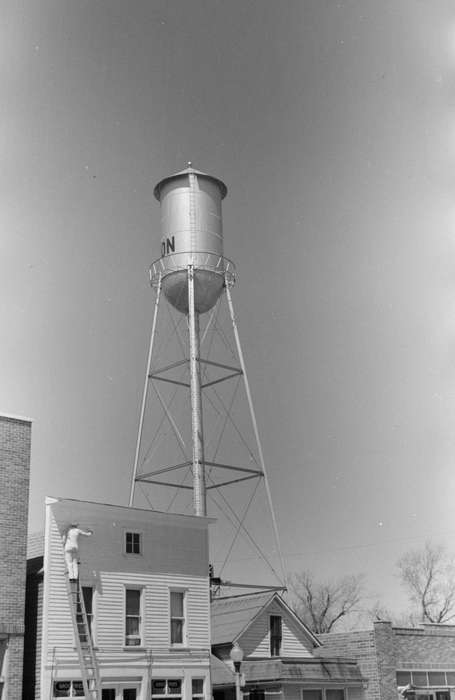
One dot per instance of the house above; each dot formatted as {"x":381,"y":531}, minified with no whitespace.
{"x":413,"y":662}
{"x":15,"y":442}
{"x":281,"y":655}
{"x":145,"y":584}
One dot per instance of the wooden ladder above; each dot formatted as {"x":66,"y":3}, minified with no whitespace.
{"x":86,"y":653}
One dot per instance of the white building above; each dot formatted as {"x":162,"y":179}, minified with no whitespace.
{"x":146,"y":589}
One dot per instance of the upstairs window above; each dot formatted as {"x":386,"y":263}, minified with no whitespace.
{"x":87,"y":593}
{"x":177,"y":610}
{"x":133,"y":620}
{"x":275,"y":635}
{"x":133,"y":543}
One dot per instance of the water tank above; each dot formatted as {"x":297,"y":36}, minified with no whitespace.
{"x":192,"y":234}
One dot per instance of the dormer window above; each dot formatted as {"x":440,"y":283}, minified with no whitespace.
{"x":275,"y":635}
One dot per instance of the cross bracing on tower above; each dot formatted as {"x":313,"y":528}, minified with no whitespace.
{"x":198,"y":441}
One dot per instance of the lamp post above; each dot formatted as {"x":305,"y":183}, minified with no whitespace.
{"x":236,"y":655}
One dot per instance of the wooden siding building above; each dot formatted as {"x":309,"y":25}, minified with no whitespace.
{"x":146,"y":588}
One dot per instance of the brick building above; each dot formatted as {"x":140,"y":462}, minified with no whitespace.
{"x":15,"y":438}
{"x":418,"y":659}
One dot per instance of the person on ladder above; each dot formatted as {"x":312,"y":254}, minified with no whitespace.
{"x":71,"y":548}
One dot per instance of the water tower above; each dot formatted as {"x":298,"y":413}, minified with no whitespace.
{"x":194,"y":277}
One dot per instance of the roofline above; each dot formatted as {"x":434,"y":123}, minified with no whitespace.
{"x":51,"y":500}
{"x":302,"y":659}
{"x":253,"y":619}
{"x":312,"y":636}
{"x":11,"y":416}
{"x":300,"y":621}
{"x":189,"y":171}
{"x":307,"y":682}
{"x":244,"y":595}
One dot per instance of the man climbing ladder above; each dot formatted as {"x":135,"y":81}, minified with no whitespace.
{"x":88,"y":664}
{"x":71,"y":548}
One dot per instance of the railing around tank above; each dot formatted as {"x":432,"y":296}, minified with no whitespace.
{"x":175,"y":262}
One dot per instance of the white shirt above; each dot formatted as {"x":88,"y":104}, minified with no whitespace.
{"x":72,"y":536}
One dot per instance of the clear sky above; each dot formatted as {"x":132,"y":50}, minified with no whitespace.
{"x":332,"y":124}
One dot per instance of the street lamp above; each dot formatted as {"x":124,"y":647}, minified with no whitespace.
{"x":236,"y":655}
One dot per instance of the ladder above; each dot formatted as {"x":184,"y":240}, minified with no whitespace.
{"x":86,"y":653}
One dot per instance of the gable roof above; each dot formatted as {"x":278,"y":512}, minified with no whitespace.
{"x":221,"y":671}
{"x":35,"y":545}
{"x":230,"y":617}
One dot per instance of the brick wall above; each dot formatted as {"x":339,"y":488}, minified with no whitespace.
{"x":359,"y":646}
{"x":33,"y":628}
{"x":385,"y":655}
{"x":431,"y":646}
{"x":386,"y":649}
{"x":15,"y":436}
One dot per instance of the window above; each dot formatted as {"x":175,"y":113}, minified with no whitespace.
{"x":403,"y":677}
{"x":167,"y":688}
{"x":87,"y":594}
{"x":177,"y":617}
{"x":257,"y":694}
{"x":429,"y":679}
{"x":133,"y":621}
{"x":129,"y":693}
{"x":197,"y":688}
{"x":133,"y":542}
{"x":275,"y":635}
{"x":423,"y":678}
{"x":436,"y":678}
{"x":419,"y":678}
{"x":68,"y":689}
{"x":334,"y":694}
{"x":62,"y":689}
{"x":120,"y":692}
{"x":311,"y":694}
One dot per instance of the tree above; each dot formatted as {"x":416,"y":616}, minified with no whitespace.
{"x":428,"y":575}
{"x":322,"y":604}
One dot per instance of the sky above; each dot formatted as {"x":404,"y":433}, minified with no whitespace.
{"x":331,"y":123}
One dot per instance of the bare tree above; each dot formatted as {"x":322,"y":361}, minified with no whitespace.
{"x":378,"y":611}
{"x":322,"y":604}
{"x":428,"y":575}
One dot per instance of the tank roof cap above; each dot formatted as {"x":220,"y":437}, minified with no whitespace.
{"x":189,"y":171}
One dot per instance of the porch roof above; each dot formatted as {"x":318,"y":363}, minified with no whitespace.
{"x":307,"y":671}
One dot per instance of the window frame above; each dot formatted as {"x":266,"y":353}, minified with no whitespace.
{"x":140,"y":589}
{"x":280,"y":648}
{"x":426,"y":671}
{"x":315,"y":689}
{"x":129,"y":531}
{"x":323,"y":691}
{"x":71,"y":682}
{"x":344,"y":690}
{"x":91,"y":618}
{"x":184,"y":593}
{"x":201,"y":695}
{"x":166,"y":694}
